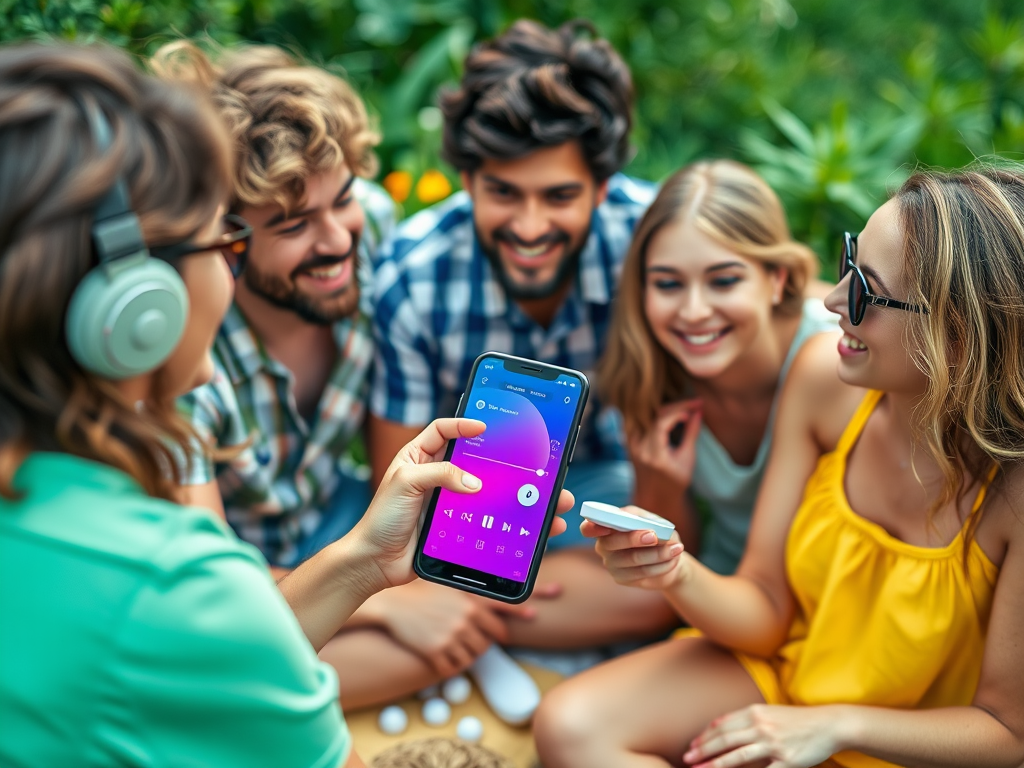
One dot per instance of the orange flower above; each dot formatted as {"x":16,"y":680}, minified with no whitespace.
{"x":399,"y":185}
{"x":433,"y":186}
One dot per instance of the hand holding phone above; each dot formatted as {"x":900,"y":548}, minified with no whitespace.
{"x":388,"y":529}
{"x":491,"y":543}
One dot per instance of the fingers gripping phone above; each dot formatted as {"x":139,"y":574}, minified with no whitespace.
{"x":491,"y":542}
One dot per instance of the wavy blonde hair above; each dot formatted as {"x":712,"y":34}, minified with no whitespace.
{"x":963,"y":242}
{"x":172,"y":149}
{"x":289,"y":121}
{"x":733,"y":206}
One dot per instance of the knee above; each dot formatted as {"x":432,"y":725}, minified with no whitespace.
{"x":564,"y":726}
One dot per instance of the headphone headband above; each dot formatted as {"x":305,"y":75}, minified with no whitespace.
{"x":116,"y":232}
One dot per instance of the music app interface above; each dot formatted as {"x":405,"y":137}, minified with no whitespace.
{"x":528,"y":421}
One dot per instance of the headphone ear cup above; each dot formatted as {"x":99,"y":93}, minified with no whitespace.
{"x":126,"y":319}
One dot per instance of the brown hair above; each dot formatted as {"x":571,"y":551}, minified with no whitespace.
{"x":733,"y":206}
{"x":171,"y":148}
{"x":534,"y":87}
{"x":963,"y":242}
{"x":289,"y":121}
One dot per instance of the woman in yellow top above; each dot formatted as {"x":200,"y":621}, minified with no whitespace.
{"x":877,"y":615}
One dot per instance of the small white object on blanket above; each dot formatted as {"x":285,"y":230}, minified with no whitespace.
{"x":506,"y":687}
{"x":393,"y":720}
{"x":456,"y":690}
{"x":470,"y":729}
{"x":436,"y":712}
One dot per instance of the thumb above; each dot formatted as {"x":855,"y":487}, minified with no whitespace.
{"x":417,"y":479}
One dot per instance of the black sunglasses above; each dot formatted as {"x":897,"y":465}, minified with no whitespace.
{"x":234,"y":244}
{"x":860,"y":296}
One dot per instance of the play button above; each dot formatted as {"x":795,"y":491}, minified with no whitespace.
{"x":528,"y":495}
{"x":523,"y":531}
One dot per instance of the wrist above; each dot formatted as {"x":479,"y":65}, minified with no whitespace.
{"x":683,"y":573}
{"x":665,"y":498}
{"x":648,"y":473}
{"x":846,"y":726}
{"x":354,"y":568}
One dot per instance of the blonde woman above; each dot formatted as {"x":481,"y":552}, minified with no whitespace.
{"x":710,"y":314}
{"x":875,"y":620}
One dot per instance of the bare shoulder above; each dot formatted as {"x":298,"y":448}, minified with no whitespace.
{"x":814,"y":393}
{"x":1002,"y":526}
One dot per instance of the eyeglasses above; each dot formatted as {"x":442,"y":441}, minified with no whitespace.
{"x":234,"y":244}
{"x":860,"y":296}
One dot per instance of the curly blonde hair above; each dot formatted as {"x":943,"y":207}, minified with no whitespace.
{"x":289,"y":121}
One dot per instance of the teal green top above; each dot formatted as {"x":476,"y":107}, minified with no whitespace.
{"x":136,"y":632}
{"x":723,"y":491}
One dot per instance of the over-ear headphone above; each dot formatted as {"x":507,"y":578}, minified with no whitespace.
{"x":128,"y":313}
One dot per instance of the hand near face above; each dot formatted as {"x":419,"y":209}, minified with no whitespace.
{"x":390,"y":527}
{"x":656,"y":450}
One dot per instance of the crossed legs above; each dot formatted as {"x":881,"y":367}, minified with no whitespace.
{"x":641,"y":710}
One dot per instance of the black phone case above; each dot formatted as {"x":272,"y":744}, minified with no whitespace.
{"x":563,"y":468}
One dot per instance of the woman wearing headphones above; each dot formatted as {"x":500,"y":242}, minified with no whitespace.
{"x":136,"y":631}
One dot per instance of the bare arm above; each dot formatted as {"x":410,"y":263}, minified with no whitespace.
{"x":206,"y":496}
{"x":751,"y":611}
{"x":987,"y":734}
{"x":664,"y":496}
{"x":664,"y":471}
{"x":384,"y":439}
{"x":326,"y":590}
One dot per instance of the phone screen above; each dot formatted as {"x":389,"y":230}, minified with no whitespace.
{"x":517,"y":458}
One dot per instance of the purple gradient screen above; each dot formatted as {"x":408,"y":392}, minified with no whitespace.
{"x":528,"y":420}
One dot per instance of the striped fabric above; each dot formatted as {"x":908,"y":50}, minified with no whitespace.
{"x":275,"y":490}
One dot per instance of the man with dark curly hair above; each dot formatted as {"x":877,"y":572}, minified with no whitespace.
{"x":525,"y":260}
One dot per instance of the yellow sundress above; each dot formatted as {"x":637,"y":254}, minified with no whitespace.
{"x":878,"y":622}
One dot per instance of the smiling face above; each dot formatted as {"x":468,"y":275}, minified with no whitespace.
{"x":707,"y":306}
{"x":874,"y":353}
{"x":532,"y":217}
{"x":305,"y":261}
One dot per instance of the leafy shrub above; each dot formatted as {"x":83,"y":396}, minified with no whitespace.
{"x":832,"y":101}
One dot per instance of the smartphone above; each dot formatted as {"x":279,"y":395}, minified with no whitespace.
{"x":491,"y":542}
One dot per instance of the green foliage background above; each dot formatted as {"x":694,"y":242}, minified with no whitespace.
{"x":832,"y":101}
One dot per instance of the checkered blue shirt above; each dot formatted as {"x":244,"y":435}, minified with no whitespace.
{"x":277,"y":487}
{"x":439,"y":304}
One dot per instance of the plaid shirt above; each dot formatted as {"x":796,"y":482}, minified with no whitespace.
{"x":439,"y":304}
{"x":275,"y":490}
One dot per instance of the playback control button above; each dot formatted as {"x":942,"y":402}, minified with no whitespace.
{"x":528,"y":495}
